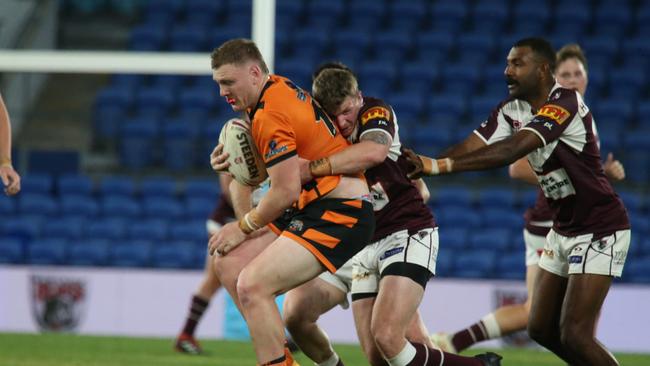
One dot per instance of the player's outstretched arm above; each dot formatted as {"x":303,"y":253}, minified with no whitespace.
{"x":8,"y":175}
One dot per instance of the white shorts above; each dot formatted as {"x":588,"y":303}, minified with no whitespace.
{"x":534,"y":247}
{"x":420,"y":248}
{"x":341,"y":279}
{"x":575,"y":255}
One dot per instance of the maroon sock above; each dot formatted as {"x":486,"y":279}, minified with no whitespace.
{"x":425,"y":356}
{"x":468,"y":336}
{"x":197,"y":308}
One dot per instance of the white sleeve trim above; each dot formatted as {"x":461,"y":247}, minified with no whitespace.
{"x":481,"y":137}
{"x":536,"y":133}
{"x":376,"y":129}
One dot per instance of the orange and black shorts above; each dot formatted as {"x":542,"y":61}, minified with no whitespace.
{"x":332,"y":229}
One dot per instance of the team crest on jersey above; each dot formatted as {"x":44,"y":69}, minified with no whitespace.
{"x":58,"y":303}
{"x":295,"y":225}
{"x":375,"y":112}
{"x":554,"y":112}
{"x":274,"y":150}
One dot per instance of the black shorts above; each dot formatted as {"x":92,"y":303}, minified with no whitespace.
{"x":332,"y":229}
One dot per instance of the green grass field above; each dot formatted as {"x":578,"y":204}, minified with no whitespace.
{"x":68,"y":350}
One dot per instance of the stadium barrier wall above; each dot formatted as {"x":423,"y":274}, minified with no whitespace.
{"x":134,"y":302}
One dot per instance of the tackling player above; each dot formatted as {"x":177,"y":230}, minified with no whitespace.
{"x":570,"y":72}
{"x":588,"y":243}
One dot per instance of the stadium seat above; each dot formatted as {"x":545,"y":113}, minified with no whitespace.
{"x":453,"y":238}
{"x":204,"y":13}
{"x":154,"y":102}
{"x":430,"y":141}
{"x":393,"y":45}
{"x":197,"y":102}
{"x":377,"y":77}
{"x":475,"y":264}
{"x":148,"y":229}
{"x":612,"y":18}
{"x":445,"y":261}
{"x":634,"y":202}
{"x":490,"y":16}
{"x":202,"y":188}
{"x":74,"y":184}
{"x":131,"y":253}
{"x":475,"y":48}
{"x":418,"y":77}
{"x":602,"y":50}
{"x":158,"y":187}
{"x":450,"y":195}
{"x":163,"y":208}
{"x":530,"y":18}
{"x":310,"y":43}
{"x":25,"y":228}
{"x":7,"y":205}
{"x":446,"y":107}
{"x":642,"y":16}
{"x":511,"y":266}
{"x":148,"y":37}
{"x":79,"y":205}
{"x":449,"y":16}
{"x":497,"y":197}
{"x":199,"y":208}
{"x":128,"y":82}
{"x":37,"y":204}
{"x":11,"y":251}
{"x":193,"y":230}
{"x":480,"y":108}
{"x":325,"y":14}
{"x":174,"y":255}
{"x":117,"y":185}
{"x":119,"y":205}
{"x":637,"y":270}
{"x":630,"y":83}
{"x":47,"y":252}
{"x":89,"y":253}
{"x":179,"y":145}
{"x":365,"y":16}
{"x":458,"y":216}
{"x":297,"y":70}
{"x":66,"y":228}
{"x":112,"y":105}
{"x":616,"y":112}
{"x":407,"y":16}
{"x":434,"y":47}
{"x":36,"y":183}
{"x":502,"y":217}
{"x":636,"y":51}
{"x":458,"y":80}
{"x":408,"y":107}
{"x":137,"y":143}
{"x":494,"y":239}
{"x":109,"y":228}
{"x":573,"y":15}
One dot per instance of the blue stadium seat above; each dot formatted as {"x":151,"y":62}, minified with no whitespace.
{"x":458,"y":216}
{"x":456,"y":196}
{"x":493,"y":239}
{"x":174,"y":255}
{"x":47,"y":252}
{"x":446,"y":108}
{"x":497,"y":197}
{"x":511,"y":266}
{"x":110,"y":228}
{"x":365,"y":16}
{"x":393,"y":45}
{"x":36,"y":183}
{"x":66,"y":227}
{"x":179,"y":144}
{"x":528,"y":197}
{"x":643,"y":109}
{"x":111,"y":106}
{"x":298,"y":71}
{"x":377,"y":77}
{"x":449,"y":16}
{"x":325,"y":14}
{"x":612,"y":18}
{"x":643,"y":20}
{"x":11,"y":251}
{"x":128,"y":82}
{"x":351,"y":46}
{"x":408,"y":107}
{"x":637,"y":270}
{"x":640,"y":224}
{"x":193,"y":230}
{"x":158,"y":187}
{"x":7,"y":205}
{"x":117,"y":185}
{"x":445,"y":261}
{"x":119,"y":205}
{"x":75,"y":184}
{"x":167,"y":81}
{"x":148,"y":229}
{"x":616,"y":112}
{"x":530,"y":18}
{"x":602,"y":50}
{"x":310,"y":43}
{"x":573,"y":18}
{"x":154,"y":102}
{"x":475,"y":264}
{"x":163,"y":208}
{"x":434,"y":47}
{"x":407,"y":15}
{"x":637,"y":159}
{"x":199,"y":208}
{"x":203,"y":188}
{"x":148,"y":37}
{"x":131,"y":253}
{"x":37,"y":204}
{"x":137,"y":143}
{"x":630,"y":83}
{"x":475,"y":48}
{"x":458,"y":80}
{"x":430,"y":141}
{"x":24,"y":228}
{"x":203,"y":12}
{"x":634,"y":202}
{"x":636,"y":51}
{"x":418,"y":77}
{"x":490,"y":16}
{"x":480,"y":108}
{"x":502,"y":217}
{"x":89,"y":253}
{"x":197,"y":102}
{"x":453,"y":238}
{"x":79,"y":205}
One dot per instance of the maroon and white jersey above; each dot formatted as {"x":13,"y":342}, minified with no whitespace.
{"x":397,"y":202}
{"x":223,"y":213}
{"x":538,"y":219}
{"x":568,"y":166}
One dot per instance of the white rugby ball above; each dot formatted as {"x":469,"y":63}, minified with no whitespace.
{"x":246,"y":164}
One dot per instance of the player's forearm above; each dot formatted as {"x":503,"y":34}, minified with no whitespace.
{"x":241,"y":198}
{"x":273,"y":204}
{"x":5,"y":135}
{"x":522,"y":170}
{"x":358,"y":158}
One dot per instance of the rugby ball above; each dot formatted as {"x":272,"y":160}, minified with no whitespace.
{"x":246,"y":164}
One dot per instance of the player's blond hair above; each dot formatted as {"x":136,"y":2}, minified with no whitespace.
{"x":237,"y":51}
{"x":331,"y":87}
{"x":569,"y":51}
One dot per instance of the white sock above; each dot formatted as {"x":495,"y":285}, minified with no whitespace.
{"x":332,"y":361}
{"x":404,"y":356}
{"x":491,"y":326}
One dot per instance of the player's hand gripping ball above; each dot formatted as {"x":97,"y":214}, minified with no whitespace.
{"x":246,"y":164}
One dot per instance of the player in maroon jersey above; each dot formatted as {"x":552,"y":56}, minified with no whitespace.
{"x":588,"y":243}
{"x":570,"y":72}
{"x":387,"y":279}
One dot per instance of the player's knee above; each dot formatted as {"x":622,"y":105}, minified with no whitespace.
{"x":249,"y":290}
{"x":540,"y":333}
{"x":386,"y":336}
{"x":574,"y":339}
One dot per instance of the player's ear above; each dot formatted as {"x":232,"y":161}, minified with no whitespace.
{"x":255,"y":71}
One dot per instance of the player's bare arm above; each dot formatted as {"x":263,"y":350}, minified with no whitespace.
{"x":370,"y":151}
{"x":492,"y":156}
{"x":241,"y":198}
{"x":522,"y":170}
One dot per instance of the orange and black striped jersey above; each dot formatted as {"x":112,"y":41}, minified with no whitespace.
{"x":288,"y":122}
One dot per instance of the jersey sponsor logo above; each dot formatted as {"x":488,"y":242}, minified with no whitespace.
{"x":556,"y":184}
{"x":575,"y":259}
{"x":274,"y":150}
{"x":554,"y":112}
{"x":375,"y":113}
{"x":391,"y":252}
{"x":549,"y":253}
